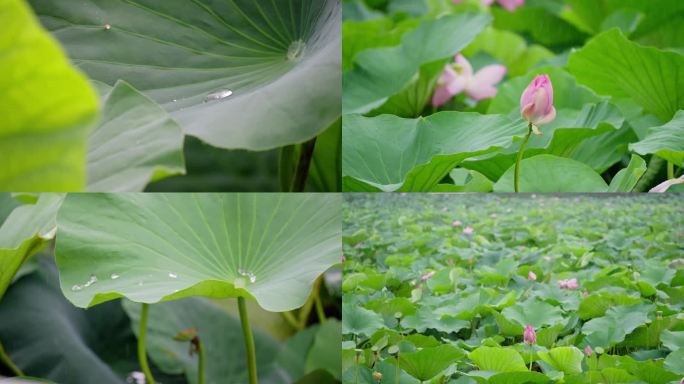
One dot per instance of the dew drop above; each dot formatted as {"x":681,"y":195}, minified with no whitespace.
{"x":76,"y":288}
{"x":219,"y":94}
{"x":107,"y":27}
{"x":173,"y":275}
{"x":114,"y":276}
{"x":296,"y":50}
{"x":252,"y":278}
{"x":140,"y":283}
{"x":92,"y":280}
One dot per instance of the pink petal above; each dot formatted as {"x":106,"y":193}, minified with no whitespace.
{"x":665,"y":185}
{"x":546,"y":118}
{"x":511,"y":5}
{"x":490,"y":74}
{"x":441,"y":96}
{"x":478,"y":93}
{"x":487,"y":2}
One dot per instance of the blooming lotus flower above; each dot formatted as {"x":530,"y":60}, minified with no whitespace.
{"x":568,"y":284}
{"x":468,"y":230}
{"x":459,"y":77}
{"x":588,"y":351}
{"x":427,"y":275}
{"x":530,"y":336}
{"x":531,"y":276}
{"x":510,"y":5}
{"x":456,"y":223}
{"x":536,"y":103}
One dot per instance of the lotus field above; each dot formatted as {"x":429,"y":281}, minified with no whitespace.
{"x":512,"y":95}
{"x":504,"y":289}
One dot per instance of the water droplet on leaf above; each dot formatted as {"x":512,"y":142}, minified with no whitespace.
{"x":296,"y":50}
{"x":219,"y":94}
{"x":239,"y":283}
{"x":107,"y":27}
{"x":173,"y":275}
{"x":114,"y":276}
{"x":76,"y":288}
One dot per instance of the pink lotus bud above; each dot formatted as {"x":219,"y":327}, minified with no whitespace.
{"x":588,"y":351}
{"x":531,"y":276}
{"x":456,"y":223}
{"x":445,"y":209}
{"x":530,"y":336}
{"x":468,"y":231}
{"x":572,"y":284}
{"x":344,"y":258}
{"x":427,"y":275}
{"x":585,"y":293}
{"x":510,"y":5}
{"x":536,"y":103}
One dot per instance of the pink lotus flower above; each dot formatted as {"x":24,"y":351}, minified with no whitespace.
{"x":665,"y":185}
{"x":459,"y":77}
{"x":568,"y":284}
{"x":585,"y":293}
{"x":427,"y":275}
{"x":536,"y":103}
{"x":456,"y":223}
{"x":531,"y":276}
{"x":510,"y":5}
{"x":530,"y":336}
{"x":344,"y":259}
{"x":468,"y":231}
{"x":588,"y":351}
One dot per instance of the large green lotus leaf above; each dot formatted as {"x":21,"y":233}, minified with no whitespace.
{"x":390,"y":153}
{"x":379,"y":73}
{"x":359,"y":321}
{"x":518,"y":378}
{"x":157,"y":247}
{"x":24,"y":233}
{"x":672,"y":340}
{"x":615,"y":325}
{"x":136,"y":142}
{"x":280,"y":59}
{"x":674,"y":362}
{"x":362,"y":35}
{"x":666,"y":141}
{"x":498,"y":359}
{"x":64,"y":343}
{"x":565,"y":359}
{"x":219,"y":332}
{"x":322,"y":356}
{"x":534,"y":312}
{"x":547,"y":173}
{"x":563,"y":137}
{"x":46,"y":108}
{"x":614,"y":66}
{"x":428,"y":362}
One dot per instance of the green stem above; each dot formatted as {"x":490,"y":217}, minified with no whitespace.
{"x":317,"y":300}
{"x":516,"y":178}
{"x":670,"y":170}
{"x":249,"y":341}
{"x":142,"y":354}
{"x":530,"y":357}
{"x":302,"y":171}
{"x":289,"y":317}
{"x":200,"y":373}
{"x":5,"y":359}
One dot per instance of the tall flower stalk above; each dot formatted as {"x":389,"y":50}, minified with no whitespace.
{"x":536,"y":107}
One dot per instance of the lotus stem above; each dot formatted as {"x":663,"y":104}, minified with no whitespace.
{"x":317,"y":300}
{"x":5,"y":359}
{"x":530,"y":357}
{"x":516,"y":175}
{"x":670,"y":170}
{"x":249,"y":341}
{"x":200,"y":368}
{"x":142,"y":354}
{"x":302,"y":171}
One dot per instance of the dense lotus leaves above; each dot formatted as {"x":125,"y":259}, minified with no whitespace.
{"x":135,"y":142}
{"x":64,"y":343}
{"x":665,"y":141}
{"x":220,"y":334}
{"x":389,"y":153}
{"x":379,"y":73}
{"x":158,"y":247}
{"x":358,"y":320}
{"x":427,"y":363}
{"x":47,"y":107}
{"x":24,"y":233}
{"x":214,"y":65}
{"x":672,"y":340}
{"x":358,"y":36}
{"x":614,"y":66}
{"x":432,"y":267}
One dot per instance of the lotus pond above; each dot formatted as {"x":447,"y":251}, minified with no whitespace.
{"x":513,"y":289}
{"x":445,"y":95}
{"x":170,"y":288}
